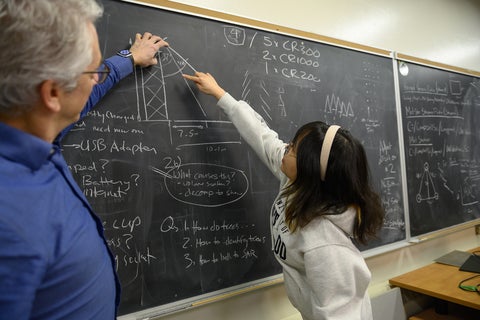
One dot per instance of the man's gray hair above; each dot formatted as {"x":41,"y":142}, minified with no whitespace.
{"x":42,"y":40}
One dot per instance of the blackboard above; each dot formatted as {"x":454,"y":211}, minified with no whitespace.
{"x":185,"y":202}
{"x":441,"y":128}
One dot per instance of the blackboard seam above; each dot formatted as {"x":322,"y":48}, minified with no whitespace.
{"x":401,"y":148}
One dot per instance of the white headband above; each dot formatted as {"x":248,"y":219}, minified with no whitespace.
{"x":326,"y":146}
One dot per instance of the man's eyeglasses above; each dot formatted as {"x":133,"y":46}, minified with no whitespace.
{"x":101,"y":74}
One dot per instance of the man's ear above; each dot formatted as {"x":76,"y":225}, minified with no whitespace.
{"x":50,"y":94}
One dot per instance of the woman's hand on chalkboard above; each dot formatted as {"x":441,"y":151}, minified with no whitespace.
{"x":207,"y":84}
{"x":144,"y":49}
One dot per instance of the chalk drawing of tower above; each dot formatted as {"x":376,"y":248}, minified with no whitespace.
{"x":151,"y":97}
{"x":151,"y":86}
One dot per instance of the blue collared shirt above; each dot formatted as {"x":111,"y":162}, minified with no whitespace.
{"x":54,"y":259}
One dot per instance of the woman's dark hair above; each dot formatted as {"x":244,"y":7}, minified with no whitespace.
{"x":347,"y":182}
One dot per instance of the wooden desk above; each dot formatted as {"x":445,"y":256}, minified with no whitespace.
{"x":440,"y":281}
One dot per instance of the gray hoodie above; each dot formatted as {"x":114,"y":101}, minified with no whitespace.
{"x":325,"y":274}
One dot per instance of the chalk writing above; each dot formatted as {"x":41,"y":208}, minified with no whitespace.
{"x":214,"y":243}
{"x":291,"y":59}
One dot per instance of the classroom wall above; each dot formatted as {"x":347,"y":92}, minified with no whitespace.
{"x":444,"y":31}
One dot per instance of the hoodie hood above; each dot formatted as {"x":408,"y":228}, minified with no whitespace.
{"x":344,"y":221}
